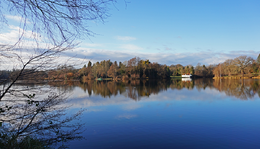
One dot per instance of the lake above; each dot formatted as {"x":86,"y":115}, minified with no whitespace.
{"x":201,"y":113}
{"x":169,"y":114}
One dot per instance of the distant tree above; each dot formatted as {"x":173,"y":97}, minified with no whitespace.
{"x":120,"y":64}
{"x":89,"y":64}
{"x":216,"y":71}
{"x":187,"y":70}
{"x":122,"y":68}
{"x":258,"y":59}
{"x":132,"y":64}
{"x":254,"y":67}
{"x":115,"y":63}
{"x":198,"y":70}
{"x":69,"y":75}
{"x":83,"y":71}
{"x":228,"y":66}
{"x":204,"y":71}
{"x":90,"y":76}
{"x":242,"y":62}
{"x":191,"y":70}
{"x":112,"y":72}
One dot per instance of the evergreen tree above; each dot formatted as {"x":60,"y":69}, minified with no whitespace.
{"x":258,"y":59}
{"x":89,"y":64}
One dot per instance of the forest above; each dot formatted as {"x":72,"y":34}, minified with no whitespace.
{"x":136,"y":68}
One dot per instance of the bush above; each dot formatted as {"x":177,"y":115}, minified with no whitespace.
{"x":12,"y":142}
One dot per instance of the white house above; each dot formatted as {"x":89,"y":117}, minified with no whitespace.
{"x":186,"y":76}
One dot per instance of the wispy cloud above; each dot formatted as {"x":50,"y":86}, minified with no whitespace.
{"x":16,"y":18}
{"x":167,"y":48}
{"x":125,"y":38}
{"x":15,"y":32}
{"x":130,"y":47}
{"x":169,"y":58}
{"x":91,"y":45}
{"x":131,"y":107}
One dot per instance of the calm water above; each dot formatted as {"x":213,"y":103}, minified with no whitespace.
{"x":166,"y":114}
{"x":169,"y":114}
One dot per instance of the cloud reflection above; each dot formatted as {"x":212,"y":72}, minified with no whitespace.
{"x":126,"y":116}
{"x":129,"y":107}
{"x":132,"y":96}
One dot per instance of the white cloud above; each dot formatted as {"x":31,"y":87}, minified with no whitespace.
{"x":130,"y":47}
{"x":91,"y":45}
{"x":168,"y":58}
{"x":9,"y":38}
{"x":14,"y":34}
{"x":125,"y":38}
{"x":16,"y":18}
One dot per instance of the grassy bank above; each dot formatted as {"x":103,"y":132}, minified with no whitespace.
{"x":176,"y":76}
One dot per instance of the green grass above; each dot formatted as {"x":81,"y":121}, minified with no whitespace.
{"x":107,"y":78}
{"x":176,"y":76}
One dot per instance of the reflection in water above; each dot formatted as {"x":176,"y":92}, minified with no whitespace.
{"x":242,"y":89}
{"x":177,"y":114}
{"x":37,"y":120}
{"x":135,"y":89}
{"x":186,"y":79}
{"x":168,"y":114}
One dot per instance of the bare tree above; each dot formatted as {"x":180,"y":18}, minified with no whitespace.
{"x":41,"y":119}
{"x":47,"y":29}
{"x":229,"y":67}
{"x":42,"y":59}
{"x":59,"y":20}
{"x":54,"y":25}
{"x":242,"y":62}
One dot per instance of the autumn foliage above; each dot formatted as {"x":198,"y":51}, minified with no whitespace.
{"x":136,"y":68}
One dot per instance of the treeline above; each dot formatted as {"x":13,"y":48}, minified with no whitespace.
{"x":242,"y":66}
{"x":135,"y":68}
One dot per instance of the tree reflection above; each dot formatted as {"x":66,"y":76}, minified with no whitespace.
{"x":136,"y":89}
{"x":256,"y":87}
{"x":37,"y":119}
{"x":242,"y":89}
{"x":179,"y":84}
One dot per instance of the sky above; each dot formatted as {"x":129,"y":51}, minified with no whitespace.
{"x":169,"y":32}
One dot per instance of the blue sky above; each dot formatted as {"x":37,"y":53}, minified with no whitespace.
{"x":171,"y":32}
{"x":175,"y":32}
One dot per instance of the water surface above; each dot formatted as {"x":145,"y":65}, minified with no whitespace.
{"x":168,"y":114}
